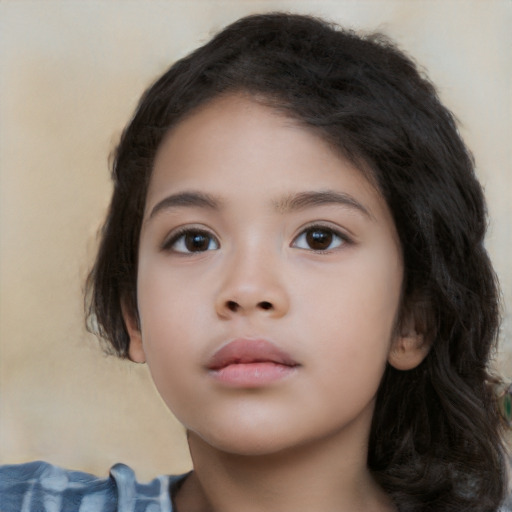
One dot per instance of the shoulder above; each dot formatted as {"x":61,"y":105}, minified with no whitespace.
{"x":25,"y":487}
{"x":507,"y":505}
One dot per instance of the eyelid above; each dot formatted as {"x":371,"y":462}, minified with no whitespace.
{"x":327,"y":226}
{"x":181,"y":231}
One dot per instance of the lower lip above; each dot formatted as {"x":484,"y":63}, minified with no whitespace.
{"x":252,"y":375}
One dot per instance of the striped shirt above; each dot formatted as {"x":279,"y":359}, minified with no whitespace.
{"x":42,"y":487}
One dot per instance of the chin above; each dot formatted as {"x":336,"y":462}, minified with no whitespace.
{"x":248,"y":443}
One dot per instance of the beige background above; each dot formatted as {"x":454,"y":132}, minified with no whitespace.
{"x":71,"y":73}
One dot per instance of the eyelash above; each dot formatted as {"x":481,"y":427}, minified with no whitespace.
{"x":336,"y":236}
{"x":177,"y":243}
{"x":179,"y":238}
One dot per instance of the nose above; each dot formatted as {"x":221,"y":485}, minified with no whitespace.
{"x":253,"y":285}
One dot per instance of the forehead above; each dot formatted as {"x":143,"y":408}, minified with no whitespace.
{"x":236,"y":145}
{"x":238,"y":127}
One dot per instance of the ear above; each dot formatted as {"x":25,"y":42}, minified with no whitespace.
{"x":409,"y":347}
{"x":136,"y":349}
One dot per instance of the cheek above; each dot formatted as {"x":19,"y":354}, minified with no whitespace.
{"x":168,"y":302}
{"x":355,"y":311}
{"x":166,"y":310}
{"x":362,"y":294}
{"x":169,"y":356}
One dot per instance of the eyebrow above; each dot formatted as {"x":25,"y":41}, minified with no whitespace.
{"x":187,"y":200}
{"x":290,"y":203}
{"x":304,"y":200}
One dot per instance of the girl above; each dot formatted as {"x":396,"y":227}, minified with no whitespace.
{"x":295,"y":248}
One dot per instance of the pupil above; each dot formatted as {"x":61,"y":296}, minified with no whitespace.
{"x":319,"y":239}
{"x":196,"y":242}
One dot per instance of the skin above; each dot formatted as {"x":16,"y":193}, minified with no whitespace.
{"x":256,"y":275}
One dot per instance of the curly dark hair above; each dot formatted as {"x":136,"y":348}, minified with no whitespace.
{"x":436,"y":439}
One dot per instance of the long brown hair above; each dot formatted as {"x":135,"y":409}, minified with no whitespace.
{"x":435,"y":442}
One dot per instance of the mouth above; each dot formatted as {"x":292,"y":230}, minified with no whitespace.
{"x":250,"y":363}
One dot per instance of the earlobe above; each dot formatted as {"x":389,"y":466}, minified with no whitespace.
{"x":409,"y":348}
{"x":136,"y":349}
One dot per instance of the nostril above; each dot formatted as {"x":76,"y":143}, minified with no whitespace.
{"x":235,"y":307}
{"x":232,"y":306}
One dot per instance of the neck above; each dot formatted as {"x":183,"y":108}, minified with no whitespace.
{"x":326,"y":478}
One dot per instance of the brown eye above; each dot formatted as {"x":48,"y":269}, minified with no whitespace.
{"x":319,"y":238}
{"x":196,"y":242}
{"x":192,"y":240}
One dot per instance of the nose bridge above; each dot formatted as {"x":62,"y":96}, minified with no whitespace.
{"x":253,"y":281}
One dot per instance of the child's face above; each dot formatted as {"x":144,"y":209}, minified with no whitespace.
{"x":258,"y":237}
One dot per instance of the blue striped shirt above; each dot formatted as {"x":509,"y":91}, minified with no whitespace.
{"x":42,"y":487}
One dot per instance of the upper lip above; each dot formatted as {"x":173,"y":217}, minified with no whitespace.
{"x":246,"y":351}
